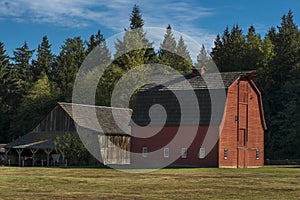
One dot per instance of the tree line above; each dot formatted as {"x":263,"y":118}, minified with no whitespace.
{"x":30,"y":88}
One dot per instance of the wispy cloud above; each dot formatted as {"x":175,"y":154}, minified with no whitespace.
{"x":113,"y":14}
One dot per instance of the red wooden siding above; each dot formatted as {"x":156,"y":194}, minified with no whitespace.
{"x":242,"y":130}
{"x":161,"y":140}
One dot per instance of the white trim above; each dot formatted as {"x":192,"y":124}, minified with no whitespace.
{"x":183,"y":152}
{"x":93,"y":106}
{"x":202,"y":153}
{"x":225,"y":154}
{"x":145,"y":152}
{"x":257,"y":154}
{"x":166,"y":152}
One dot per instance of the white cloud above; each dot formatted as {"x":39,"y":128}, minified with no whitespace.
{"x":113,"y":14}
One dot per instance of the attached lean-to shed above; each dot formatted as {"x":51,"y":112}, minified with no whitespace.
{"x":38,"y":146}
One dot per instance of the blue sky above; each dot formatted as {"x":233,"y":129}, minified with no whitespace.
{"x":202,"y":20}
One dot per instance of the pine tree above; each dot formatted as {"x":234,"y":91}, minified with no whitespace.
{"x":279,"y":82}
{"x":22,"y":69}
{"x":216,"y":53}
{"x":45,"y":60}
{"x":204,"y":60}
{"x":69,"y":61}
{"x":4,"y":77}
{"x":229,"y":50}
{"x":254,"y":52}
{"x":6,"y":84}
{"x":136,"y":20}
{"x":184,"y":61}
{"x":135,"y":49}
{"x":95,"y":40}
{"x":236,"y":47}
{"x":167,"y":49}
{"x":38,"y":101}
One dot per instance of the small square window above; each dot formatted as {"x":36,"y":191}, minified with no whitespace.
{"x":145,"y":152}
{"x":202,"y":153}
{"x":225,"y":154}
{"x":184,"y":153}
{"x":166,"y":152}
{"x":257,"y":154}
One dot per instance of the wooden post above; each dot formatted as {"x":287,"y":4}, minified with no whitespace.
{"x":62,"y":154}
{"x":33,"y":151}
{"x":48,"y":152}
{"x":6,"y":155}
{"x":19,"y":151}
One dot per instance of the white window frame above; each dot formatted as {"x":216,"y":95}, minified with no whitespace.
{"x":257,"y":154}
{"x":202,"y":153}
{"x":183,"y":152}
{"x":166,"y":152}
{"x":145,"y":152}
{"x":225,"y":154}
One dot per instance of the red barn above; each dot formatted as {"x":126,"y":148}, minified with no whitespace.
{"x":231,"y":136}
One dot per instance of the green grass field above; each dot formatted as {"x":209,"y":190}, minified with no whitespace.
{"x":97,"y":183}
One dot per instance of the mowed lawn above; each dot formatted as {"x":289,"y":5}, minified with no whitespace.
{"x":193,"y":183}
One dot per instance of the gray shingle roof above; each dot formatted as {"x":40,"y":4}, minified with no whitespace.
{"x":164,"y":94}
{"x":34,"y":141}
{"x":109,"y":118}
{"x":45,"y":140}
{"x":206,"y":81}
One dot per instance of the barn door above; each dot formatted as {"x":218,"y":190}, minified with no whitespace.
{"x":242,"y":123}
{"x":241,"y":149}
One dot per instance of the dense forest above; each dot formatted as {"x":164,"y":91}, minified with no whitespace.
{"x":29,"y":88}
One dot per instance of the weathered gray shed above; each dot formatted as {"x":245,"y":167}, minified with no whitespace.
{"x":62,"y":120}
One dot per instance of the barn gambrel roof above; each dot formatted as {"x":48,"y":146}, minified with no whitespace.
{"x":181,"y":85}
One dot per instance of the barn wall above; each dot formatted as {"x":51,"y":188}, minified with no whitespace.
{"x":255,"y":131}
{"x":115,"y":149}
{"x":240,"y":117}
{"x":56,"y":121}
{"x":180,"y":139}
{"x":228,"y":130}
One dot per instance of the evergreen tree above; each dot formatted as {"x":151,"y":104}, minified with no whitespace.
{"x":4,"y":76}
{"x":38,"y":101}
{"x":278,"y":82}
{"x":217,"y":54}
{"x":135,"y":49}
{"x":236,"y":49}
{"x":290,"y":144}
{"x":272,"y":34}
{"x":45,"y":60}
{"x":254,"y":52}
{"x":136,"y":20}
{"x":5,"y":89}
{"x":107,"y":83}
{"x":184,"y":61}
{"x":204,"y":60}
{"x":229,"y":50}
{"x":69,"y":61}
{"x":167,"y":49}
{"x":95,"y":40}
{"x":22,"y":70}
